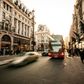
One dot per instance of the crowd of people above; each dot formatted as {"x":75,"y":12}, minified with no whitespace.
{"x":9,"y":52}
{"x":76,"y":52}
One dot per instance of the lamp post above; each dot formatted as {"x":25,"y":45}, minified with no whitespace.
{"x":33,"y":39}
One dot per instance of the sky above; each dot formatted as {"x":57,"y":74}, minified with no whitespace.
{"x":55,"y":14}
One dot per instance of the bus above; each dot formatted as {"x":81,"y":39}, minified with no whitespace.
{"x":56,"y":49}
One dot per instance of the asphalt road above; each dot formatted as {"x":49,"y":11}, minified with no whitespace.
{"x":45,"y":71}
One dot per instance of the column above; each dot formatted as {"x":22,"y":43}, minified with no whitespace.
{"x":13,"y":25}
{"x":23,"y":29}
{"x":27,"y":31}
{"x":0,"y":43}
{"x":1,"y":10}
{"x":16,"y":27}
{"x":11,"y":43}
{"x":20,"y":28}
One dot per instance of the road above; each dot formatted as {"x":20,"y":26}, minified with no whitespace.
{"x":45,"y":71}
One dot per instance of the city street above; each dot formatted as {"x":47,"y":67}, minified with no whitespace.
{"x":45,"y":71}
{"x":33,"y":31}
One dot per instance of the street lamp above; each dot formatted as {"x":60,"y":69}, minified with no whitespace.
{"x":33,"y":39}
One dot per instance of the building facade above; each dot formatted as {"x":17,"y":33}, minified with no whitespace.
{"x":74,"y":29}
{"x":16,"y":26}
{"x":42,"y":37}
{"x":77,"y":28}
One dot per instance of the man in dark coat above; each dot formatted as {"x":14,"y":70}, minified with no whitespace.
{"x":82,"y":55}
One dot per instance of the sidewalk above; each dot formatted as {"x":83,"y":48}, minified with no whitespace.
{"x":6,"y":57}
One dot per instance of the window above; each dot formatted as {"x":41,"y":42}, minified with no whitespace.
{"x":7,"y":7}
{"x":25,"y":20}
{"x":22,"y":28}
{"x":10,"y":18}
{"x":18,"y":27}
{"x":4,"y":5}
{"x":10,"y":9}
{"x":28,"y":21}
{"x":3,"y":15}
{"x":6,"y":26}
{"x":19,"y":16}
{"x":22,"y":18}
{"x":15,"y":21}
{"x":25,"y":30}
{"x":15,"y":13}
{"x":28,"y":31}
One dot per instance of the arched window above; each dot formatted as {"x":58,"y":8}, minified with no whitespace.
{"x":6,"y":38}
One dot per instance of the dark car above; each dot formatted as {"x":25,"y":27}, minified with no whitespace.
{"x":45,"y":52}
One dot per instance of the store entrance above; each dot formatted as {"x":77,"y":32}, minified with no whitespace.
{"x":5,"y":45}
{"x":5,"y":48}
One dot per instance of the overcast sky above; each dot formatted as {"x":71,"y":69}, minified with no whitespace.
{"x":56,"y":14}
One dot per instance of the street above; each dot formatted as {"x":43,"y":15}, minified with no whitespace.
{"x":45,"y":71}
{"x":33,"y":31}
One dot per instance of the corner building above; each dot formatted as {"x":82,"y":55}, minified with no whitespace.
{"x":15,"y":27}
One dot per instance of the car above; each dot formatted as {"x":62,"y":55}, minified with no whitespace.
{"x":4,"y":62}
{"x":45,"y":52}
{"x":24,"y":59}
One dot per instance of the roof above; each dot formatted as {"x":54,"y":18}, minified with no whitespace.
{"x":57,"y":37}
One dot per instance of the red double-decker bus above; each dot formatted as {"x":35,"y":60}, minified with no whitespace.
{"x":56,"y":49}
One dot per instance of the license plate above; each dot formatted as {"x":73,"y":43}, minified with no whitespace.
{"x":56,"y":56}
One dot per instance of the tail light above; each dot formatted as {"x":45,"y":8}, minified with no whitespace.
{"x":49,"y":54}
{"x":62,"y":53}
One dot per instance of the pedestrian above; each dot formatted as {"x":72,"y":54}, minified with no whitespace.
{"x":69,"y":51}
{"x":82,"y":55}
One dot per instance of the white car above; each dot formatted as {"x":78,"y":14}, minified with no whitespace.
{"x":25,"y":59}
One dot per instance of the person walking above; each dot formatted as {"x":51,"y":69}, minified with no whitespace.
{"x":81,"y":52}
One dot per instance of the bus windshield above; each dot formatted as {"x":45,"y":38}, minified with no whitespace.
{"x":56,"y":46}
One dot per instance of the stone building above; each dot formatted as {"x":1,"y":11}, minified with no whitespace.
{"x":42,"y":37}
{"x":77,"y":27}
{"x":16,"y":26}
{"x":74,"y":29}
{"x":80,"y":22}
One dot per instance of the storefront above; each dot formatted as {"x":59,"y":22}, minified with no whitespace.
{"x":10,"y":44}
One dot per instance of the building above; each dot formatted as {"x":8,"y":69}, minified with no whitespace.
{"x":77,"y":28}
{"x":42,"y":37}
{"x":74,"y":30}
{"x":80,"y":7}
{"x":16,"y":26}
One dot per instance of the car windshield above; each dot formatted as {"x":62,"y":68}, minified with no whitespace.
{"x":21,"y":54}
{"x":29,"y":54}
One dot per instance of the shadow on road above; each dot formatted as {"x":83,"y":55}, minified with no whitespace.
{"x":56,"y":60}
